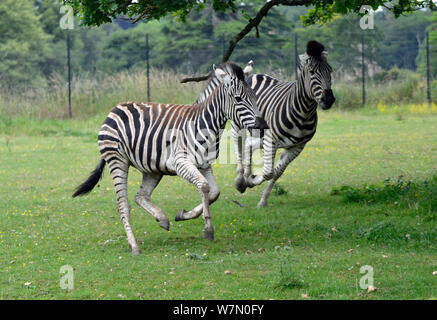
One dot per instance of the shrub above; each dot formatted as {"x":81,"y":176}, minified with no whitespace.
{"x":287,"y":277}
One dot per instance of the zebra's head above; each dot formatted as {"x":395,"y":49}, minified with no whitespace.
{"x":242,"y":109}
{"x":316,"y":74}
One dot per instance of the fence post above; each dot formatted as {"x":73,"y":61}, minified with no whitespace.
{"x":362,"y":68}
{"x":296,"y":57}
{"x":148,"y":68}
{"x":70,"y":114}
{"x":428,"y":75}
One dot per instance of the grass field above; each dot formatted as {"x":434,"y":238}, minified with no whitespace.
{"x":308,"y":244}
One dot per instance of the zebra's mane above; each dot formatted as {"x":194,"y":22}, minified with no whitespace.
{"x":233,"y":69}
{"x":308,"y":60}
{"x":315,"y":56}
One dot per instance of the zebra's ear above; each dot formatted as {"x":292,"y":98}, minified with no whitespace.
{"x":324,"y":55}
{"x":315,"y":49}
{"x":221,"y":75}
{"x":303,"y":58}
{"x":248,"y":69}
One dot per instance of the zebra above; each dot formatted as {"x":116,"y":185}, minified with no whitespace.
{"x":172,"y":139}
{"x":239,"y":136}
{"x":290,"y":110}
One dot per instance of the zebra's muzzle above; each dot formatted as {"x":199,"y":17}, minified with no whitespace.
{"x":327,"y":100}
{"x":258,"y":128}
{"x":260,"y":124}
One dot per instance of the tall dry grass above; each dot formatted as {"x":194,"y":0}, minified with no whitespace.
{"x":99,"y":93}
{"x":96,"y":94}
{"x":411,"y":90}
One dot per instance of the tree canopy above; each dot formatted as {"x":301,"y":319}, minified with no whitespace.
{"x":23,"y":46}
{"x":97,"y":12}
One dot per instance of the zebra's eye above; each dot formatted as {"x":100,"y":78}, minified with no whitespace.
{"x":238,"y":99}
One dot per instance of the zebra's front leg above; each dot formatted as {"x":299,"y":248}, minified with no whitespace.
{"x":188,"y":171}
{"x":286,"y":157}
{"x":150,"y":181}
{"x":119,"y":172}
{"x":250,"y":146}
{"x":269,"y":149}
{"x":214,"y":193}
{"x":239,"y":137}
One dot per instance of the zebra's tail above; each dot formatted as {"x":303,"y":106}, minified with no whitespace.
{"x":92,"y":180}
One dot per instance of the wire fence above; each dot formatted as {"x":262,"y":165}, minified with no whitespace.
{"x":358,"y":78}
{"x":352,"y":62}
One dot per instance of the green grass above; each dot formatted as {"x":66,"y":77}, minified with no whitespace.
{"x":307,"y":242}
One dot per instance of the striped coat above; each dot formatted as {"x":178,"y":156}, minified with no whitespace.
{"x":171,"y":139}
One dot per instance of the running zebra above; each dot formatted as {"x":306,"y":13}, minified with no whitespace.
{"x":290,"y":110}
{"x":239,"y":135}
{"x":171,"y":139}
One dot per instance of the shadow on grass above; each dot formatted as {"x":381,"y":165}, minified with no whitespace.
{"x":381,"y":214}
{"x":405,"y":193}
{"x":419,"y":197}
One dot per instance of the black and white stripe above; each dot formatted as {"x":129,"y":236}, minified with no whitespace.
{"x":171,"y":139}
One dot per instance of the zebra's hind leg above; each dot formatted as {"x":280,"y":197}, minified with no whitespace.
{"x":150,"y":181}
{"x":286,"y":157}
{"x":214,"y":193}
{"x":266,"y":193}
{"x":119,"y":172}
{"x":189,"y":172}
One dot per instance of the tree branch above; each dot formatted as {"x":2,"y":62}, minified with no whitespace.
{"x":196,"y":79}
{"x":144,"y":13}
{"x":253,"y":23}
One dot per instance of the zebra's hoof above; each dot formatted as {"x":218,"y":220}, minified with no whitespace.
{"x":254,"y":180}
{"x":208,"y":234}
{"x":240,"y":184}
{"x":164,"y":224}
{"x":180,"y":215}
{"x":261,"y":204}
{"x":136,"y":251}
